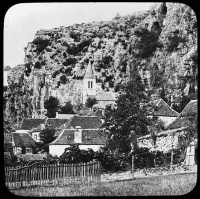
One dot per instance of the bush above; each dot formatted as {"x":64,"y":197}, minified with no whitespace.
{"x":75,"y":36}
{"x":37,"y":65}
{"x":112,"y":161}
{"x":63,"y":79}
{"x":74,"y":50}
{"x":74,"y":154}
{"x":70,"y":61}
{"x":147,"y":43}
{"x":67,"y":108}
{"x":40,"y":43}
{"x":90,"y":102}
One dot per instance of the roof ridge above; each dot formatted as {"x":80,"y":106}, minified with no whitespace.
{"x":187,"y":105}
{"x":62,"y":131}
{"x":171,"y":108}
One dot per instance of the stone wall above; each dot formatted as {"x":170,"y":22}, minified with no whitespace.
{"x":164,"y":142}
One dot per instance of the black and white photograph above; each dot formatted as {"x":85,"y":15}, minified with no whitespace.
{"x":100,"y":99}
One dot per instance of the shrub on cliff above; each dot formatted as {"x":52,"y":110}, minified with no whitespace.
{"x":40,"y":43}
{"x":146,"y":43}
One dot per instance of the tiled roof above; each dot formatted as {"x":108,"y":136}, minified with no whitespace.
{"x":105,"y":96}
{"x":89,"y":72}
{"x":89,"y":136}
{"x":178,"y":123}
{"x":35,"y":124}
{"x":32,"y":156}
{"x":191,"y":107}
{"x":23,"y":140}
{"x":164,"y":109}
{"x":28,"y":124}
{"x":56,"y":123}
{"x":86,"y":122}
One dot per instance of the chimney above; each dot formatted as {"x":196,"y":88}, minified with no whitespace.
{"x":78,"y":134}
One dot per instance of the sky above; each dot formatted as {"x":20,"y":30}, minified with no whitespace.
{"x":23,"y":20}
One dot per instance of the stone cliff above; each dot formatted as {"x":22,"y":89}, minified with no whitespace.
{"x":159,"y":44}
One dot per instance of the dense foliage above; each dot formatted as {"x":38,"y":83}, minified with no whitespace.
{"x":52,"y":105}
{"x":90,"y":102}
{"x":67,"y":108}
{"x":128,"y":118}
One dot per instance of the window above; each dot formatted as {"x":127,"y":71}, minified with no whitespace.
{"x":35,"y":137}
{"x":88,"y":84}
{"x":91,"y":84}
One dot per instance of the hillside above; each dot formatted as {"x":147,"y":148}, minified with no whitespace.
{"x":160,"y":45}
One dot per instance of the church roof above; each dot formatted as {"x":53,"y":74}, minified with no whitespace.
{"x":105,"y":96}
{"x":89,"y":74}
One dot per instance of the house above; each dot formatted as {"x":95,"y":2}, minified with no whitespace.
{"x":175,"y":131}
{"x":34,"y":126}
{"x":90,"y":89}
{"x":82,"y":130}
{"x":164,"y":112}
{"x":23,"y":143}
{"x":181,"y":120}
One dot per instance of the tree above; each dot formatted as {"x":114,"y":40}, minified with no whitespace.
{"x":129,"y":115}
{"x":52,"y":106}
{"x":67,"y":108}
{"x":74,"y":154}
{"x":47,"y":136}
{"x":90,"y":102}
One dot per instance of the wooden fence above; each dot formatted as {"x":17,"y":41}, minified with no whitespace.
{"x":52,"y":174}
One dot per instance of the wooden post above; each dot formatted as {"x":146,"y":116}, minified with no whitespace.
{"x":132,"y":162}
{"x":132,"y":166}
{"x":172,"y":154}
{"x":172,"y":161}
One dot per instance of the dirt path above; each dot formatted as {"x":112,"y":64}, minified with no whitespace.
{"x":143,"y":173}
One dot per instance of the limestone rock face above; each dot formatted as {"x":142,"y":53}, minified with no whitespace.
{"x":165,"y":37}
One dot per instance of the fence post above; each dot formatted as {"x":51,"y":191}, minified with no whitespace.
{"x":132,"y":166}
{"x":172,"y":161}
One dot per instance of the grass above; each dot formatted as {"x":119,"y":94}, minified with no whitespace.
{"x":162,"y":185}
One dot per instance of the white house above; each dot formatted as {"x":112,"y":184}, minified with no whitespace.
{"x":81,"y":130}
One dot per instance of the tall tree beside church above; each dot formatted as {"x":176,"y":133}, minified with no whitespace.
{"x":52,"y":105}
{"x":128,"y":119}
{"x":90,"y":102}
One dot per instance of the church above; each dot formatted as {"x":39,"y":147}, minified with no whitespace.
{"x":90,"y":90}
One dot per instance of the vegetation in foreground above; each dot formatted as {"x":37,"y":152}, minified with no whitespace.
{"x":162,"y":185}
